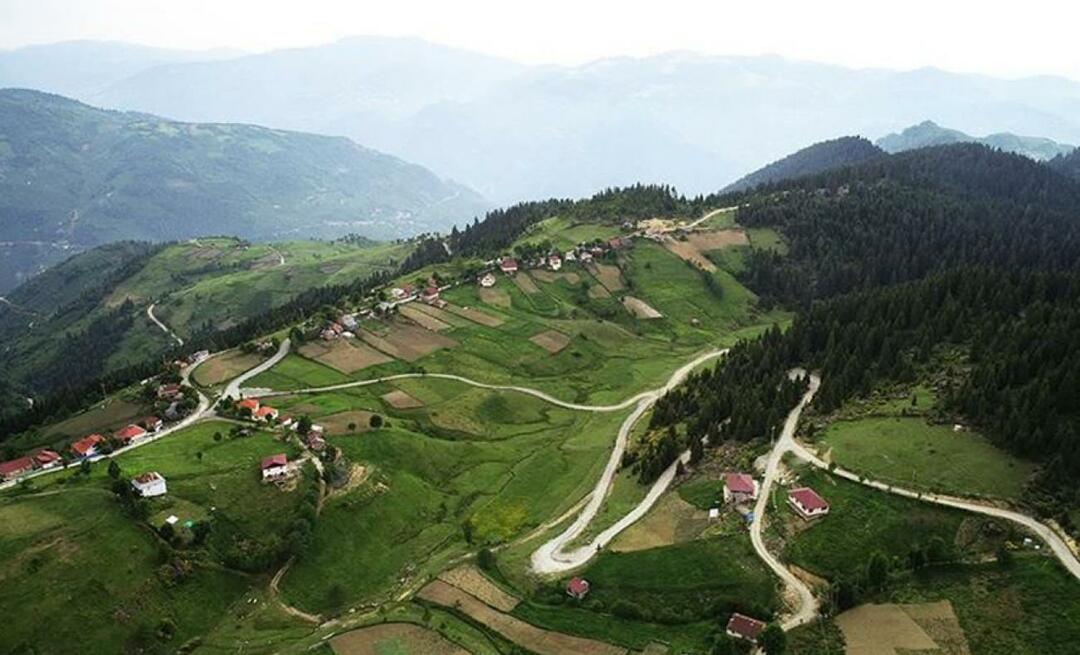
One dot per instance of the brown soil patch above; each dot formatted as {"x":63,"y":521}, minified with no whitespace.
{"x":408,"y":342}
{"x":398,"y":399}
{"x":609,"y":276}
{"x":394,"y":638}
{"x":639,"y":308}
{"x":339,"y":423}
{"x":441,"y":314}
{"x":551,"y":341}
{"x":695,"y":246}
{"x":475,"y":316}
{"x":470,"y":580}
{"x":537,"y":640}
{"x":897,"y":629}
{"x":671,"y":521}
{"x":808,"y":577}
{"x":345,"y":355}
{"x":494,"y":296}
{"x":526,"y":283}
{"x":224,"y":367}
{"x":416,"y":315}
{"x":598,"y":291}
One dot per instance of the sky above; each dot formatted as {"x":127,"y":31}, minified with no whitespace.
{"x":991,"y":37}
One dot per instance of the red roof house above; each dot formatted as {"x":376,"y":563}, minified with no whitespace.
{"x":508,"y":265}
{"x":169,"y":391}
{"x":46,"y":458}
{"x":430,"y":294}
{"x":129,"y":434}
{"x":249,"y":404}
{"x":87,"y":446}
{"x":744,"y":627}
{"x":739,"y":487}
{"x":577,"y":588}
{"x":807,"y":503}
{"x":14,"y":468}
{"x":274,"y":467}
{"x":266,"y":413}
{"x":151,"y":423}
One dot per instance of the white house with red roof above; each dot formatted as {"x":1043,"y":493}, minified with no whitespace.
{"x":265,"y":413}
{"x":151,"y":423}
{"x":129,"y":434}
{"x":47,"y":459}
{"x":740,"y":488}
{"x":577,"y":588}
{"x":14,"y":468}
{"x":87,"y":446}
{"x":508,"y":265}
{"x":249,"y":404}
{"x":275,"y":467}
{"x":807,"y":503}
{"x":741,"y":626}
{"x":430,"y":294}
{"x":555,"y":262}
{"x":149,"y":484}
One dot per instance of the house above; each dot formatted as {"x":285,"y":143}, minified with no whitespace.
{"x":286,"y":421}
{"x":348,"y":321}
{"x":198,"y":356}
{"x":265,"y":413}
{"x":315,"y":441}
{"x":151,"y":423}
{"x":275,"y":467}
{"x":129,"y":435}
{"x":739,"y":488}
{"x":149,"y":484}
{"x":14,"y":468}
{"x":555,"y":262}
{"x":249,"y":404}
{"x":585,"y":257}
{"x":740,"y":626}
{"x":169,"y":392}
{"x":570,"y":256}
{"x":328,"y":335}
{"x":87,"y":446}
{"x":430,"y":294}
{"x":508,"y":266}
{"x":487,"y":280}
{"x":807,"y":503}
{"x":617,"y":243}
{"x":46,"y":459}
{"x":577,"y":588}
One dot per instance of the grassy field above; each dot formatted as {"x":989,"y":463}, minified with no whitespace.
{"x":224,"y":367}
{"x":862,"y":521}
{"x":907,"y":451}
{"x":1029,"y":607}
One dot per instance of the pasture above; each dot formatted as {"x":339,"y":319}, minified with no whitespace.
{"x":224,"y":367}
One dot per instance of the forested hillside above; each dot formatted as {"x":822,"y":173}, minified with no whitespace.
{"x":1068,"y":165}
{"x":79,"y":176}
{"x":929,"y":133}
{"x":953,"y":247}
{"x":827,"y":155}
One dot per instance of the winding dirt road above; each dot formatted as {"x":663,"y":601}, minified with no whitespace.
{"x":164,"y":328}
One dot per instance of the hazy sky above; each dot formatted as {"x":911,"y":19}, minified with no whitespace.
{"x":998,"y":38}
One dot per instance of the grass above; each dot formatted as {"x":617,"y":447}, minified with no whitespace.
{"x":909,"y":452}
{"x":224,"y":367}
{"x":862,"y":521}
{"x":1029,"y":607}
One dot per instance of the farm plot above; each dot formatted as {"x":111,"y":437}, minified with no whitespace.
{"x":640,"y":309}
{"x":440,"y":314}
{"x":339,"y":423}
{"x":598,"y":292}
{"x":343,"y":355}
{"x":551,"y":341}
{"x":496,"y":297}
{"x":526,"y":283}
{"x":413,"y":312}
{"x":407,"y":342}
{"x":536,"y":640}
{"x":694,"y":247}
{"x":609,"y":276}
{"x":672,"y":521}
{"x":890,"y":629}
{"x":470,"y":580}
{"x":475,"y":316}
{"x":398,"y":399}
{"x":550,"y":276}
{"x":394,"y":639}
{"x":224,"y":367}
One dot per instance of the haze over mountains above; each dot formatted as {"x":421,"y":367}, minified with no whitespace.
{"x":929,"y":133}
{"x":74,"y":176}
{"x":515,"y":132}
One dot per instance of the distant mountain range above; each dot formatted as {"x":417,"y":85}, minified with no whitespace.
{"x":516,"y":132}
{"x":820,"y":157}
{"x":73,"y":176}
{"x":929,"y":133}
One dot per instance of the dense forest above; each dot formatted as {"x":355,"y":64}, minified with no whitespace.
{"x":827,"y":155}
{"x":897,"y":259}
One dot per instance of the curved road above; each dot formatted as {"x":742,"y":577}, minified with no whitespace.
{"x":232,"y":390}
{"x":164,"y":328}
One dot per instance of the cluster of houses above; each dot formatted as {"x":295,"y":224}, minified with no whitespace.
{"x":263,"y":413}
{"x":36,"y":461}
{"x":741,"y":488}
{"x":584,"y":253}
{"x":347,"y":324}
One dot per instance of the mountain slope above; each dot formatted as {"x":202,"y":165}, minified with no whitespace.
{"x":1068,"y":164}
{"x":929,"y":133}
{"x":74,"y":175}
{"x":824,"y":156}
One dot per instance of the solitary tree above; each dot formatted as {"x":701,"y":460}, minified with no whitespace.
{"x":376,"y":421}
{"x":114,"y":470}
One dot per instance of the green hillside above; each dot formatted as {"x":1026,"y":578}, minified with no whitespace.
{"x":827,"y":155}
{"x":75,"y":176}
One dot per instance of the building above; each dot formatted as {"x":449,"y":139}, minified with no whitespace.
{"x":169,"y":392}
{"x":46,"y":459}
{"x":555,"y":262}
{"x":740,"y":626}
{"x":807,"y":503}
{"x":151,"y":423}
{"x":149,"y":484}
{"x":275,"y":467}
{"x":508,"y":266}
{"x":129,"y":435}
{"x":87,"y":446}
{"x":315,"y":441}
{"x":17,"y":467}
{"x":430,"y":294}
{"x":570,"y":256}
{"x":577,"y":588}
{"x":739,"y":488}
{"x":249,"y":404}
{"x":286,"y":421}
{"x":265,"y":413}
{"x":487,"y":280}
{"x":348,"y":321}
{"x":199,"y":356}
